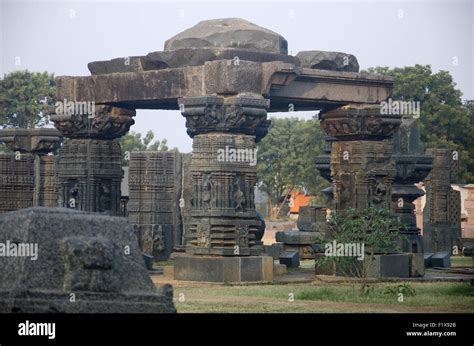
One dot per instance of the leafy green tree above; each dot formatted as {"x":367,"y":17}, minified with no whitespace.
{"x":445,"y":121}
{"x":25,"y":99}
{"x":133,"y":141}
{"x":286,"y":158}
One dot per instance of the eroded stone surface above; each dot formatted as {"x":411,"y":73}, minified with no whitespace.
{"x":334,"y":61}
{"x":94,"y":256}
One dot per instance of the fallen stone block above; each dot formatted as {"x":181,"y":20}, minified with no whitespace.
{"x":441,"y":260}
{"x":427,"y":259}
{"x":290,"y":258}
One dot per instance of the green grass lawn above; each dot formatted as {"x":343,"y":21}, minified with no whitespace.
{"x":318,"y":297}
{"x":461,"y":261}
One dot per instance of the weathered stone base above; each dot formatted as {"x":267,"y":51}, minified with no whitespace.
{"x":88,"y":302}
{"x":383,"y":266}
{"x":224,"y":269}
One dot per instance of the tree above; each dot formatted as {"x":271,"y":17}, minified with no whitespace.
{"x":445,"y":121}
{"x":25,"y":99}
{"x":286,"y":158}
{"x":133,"y":141}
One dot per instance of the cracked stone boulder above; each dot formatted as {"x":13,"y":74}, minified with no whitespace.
{"x":228,"y":33}
{"x":334,"y":61}
{"x":67,"y":261}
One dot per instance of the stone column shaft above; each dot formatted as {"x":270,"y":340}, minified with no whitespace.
{"x":222,"y":216}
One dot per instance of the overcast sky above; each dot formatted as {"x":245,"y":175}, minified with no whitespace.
{"x":61,"y":37}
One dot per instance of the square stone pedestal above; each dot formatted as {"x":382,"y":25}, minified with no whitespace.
{"x":244,"y":269}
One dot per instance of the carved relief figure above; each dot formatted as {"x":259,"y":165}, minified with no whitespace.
{"x":239,"y":197}
{"x":105,"y":198}
{"x":207,"y":192}
{"x":242,"y":235}
{"x":379,"y":193}
{"x":203,"y":235}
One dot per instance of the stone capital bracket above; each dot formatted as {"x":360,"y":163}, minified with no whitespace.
{"x":36,"y":141}
{"x":350,"y":123}
{"x":240,"y":114}
{"x":107,"y":122}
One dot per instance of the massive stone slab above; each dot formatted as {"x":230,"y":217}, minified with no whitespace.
{"x":228,"y":33}
{"x":297,"y":237}
{"x":85,"y":262}
{"x":284,"y":84}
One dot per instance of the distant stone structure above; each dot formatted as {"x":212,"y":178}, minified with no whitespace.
{"x":442,"y":213}
{"x":75,"y":262}
{"x":155,"y":184}
{"x":28,"y":175}
{"x":469,"y":206}
{"x":412,"y":166}
{"x":323,"y":165}
{"x":312,"y":229}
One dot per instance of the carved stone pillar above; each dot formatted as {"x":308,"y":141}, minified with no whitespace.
{"x":442,"y":212}
{"x":28,"y":176}
{"x":222,"y":216}
{"x":90,"y":170}
{"x":412,"y":166}
{"x":362,"y":168}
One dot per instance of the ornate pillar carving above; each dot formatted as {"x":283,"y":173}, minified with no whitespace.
{"x":222,"y":217}
{"x":412,"y":166}
{"x":362,"y":168}
{"x":442,"y":212}
{"x":90,"y":170}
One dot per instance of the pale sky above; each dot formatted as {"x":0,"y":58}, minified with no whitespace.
{"x":61,"y":37}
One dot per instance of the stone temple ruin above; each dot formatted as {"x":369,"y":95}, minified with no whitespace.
{"x":224,"y":76}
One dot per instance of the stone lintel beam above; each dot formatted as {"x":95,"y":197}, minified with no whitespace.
{"x":282,"y":83}
{"x":326,"y":90}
